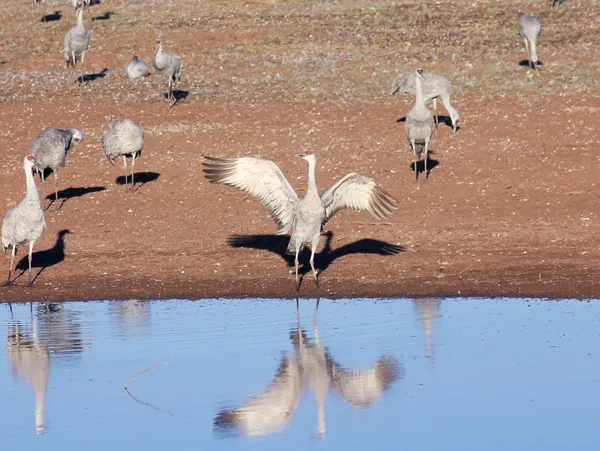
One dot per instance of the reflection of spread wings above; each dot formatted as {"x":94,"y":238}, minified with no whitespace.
{"x":268,"y":412}
{"x":363,"y":387}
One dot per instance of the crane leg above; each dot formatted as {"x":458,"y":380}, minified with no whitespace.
{"x":12,"y":260}
{"x":425,"y":160}
{"x":125,"y":168}
{"x":296,"y":263}
{"x":314,"y":245}
{"x":30,"y":252}
{"x":412,"y":145}
{"x":56,"y":186}
{"x":435,"y":115}
{"x":132,"y":165}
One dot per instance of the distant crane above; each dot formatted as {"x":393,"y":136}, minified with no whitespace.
{"x":167,"y":64}
{"x":434,"y":86}
{"x":529,"y":28}
{"x":419,"y":125}
{"x":25,"y":223}
{"x":124,"y":138}
{"x":263,"y":180}
{"x":50,"y":149}
{"x":136,"y":68}
{"x":77,"y":40}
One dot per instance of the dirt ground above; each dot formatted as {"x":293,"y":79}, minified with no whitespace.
{"x":511,"y":208}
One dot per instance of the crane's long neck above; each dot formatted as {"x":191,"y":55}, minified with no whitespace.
{"x":312,"y":183}
{"x":80,"y":18}
{"x":32,"y":192}
{"x":419,"y":91}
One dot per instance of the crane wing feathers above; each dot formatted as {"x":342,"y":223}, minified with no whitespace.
{"x":261,"y":179}
{"x":402,"y":84}
{"x":359,"y":193}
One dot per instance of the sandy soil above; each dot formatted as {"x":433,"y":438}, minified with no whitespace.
{"x":510,"y":209}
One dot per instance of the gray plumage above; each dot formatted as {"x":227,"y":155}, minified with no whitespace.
{"x":529,"y":28}
{"x":419,"y":125}
{"x":50,"y":149}
{"x":168,"y":65}
{"x":77,"y":40}
{"x":24,"y":223}
{"x":136,"y":68}
{"x":434,"y":86}
{"x":124,"y":138}
{"x":263,"y":180}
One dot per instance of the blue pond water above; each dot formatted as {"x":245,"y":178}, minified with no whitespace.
{"x":421,"y":374}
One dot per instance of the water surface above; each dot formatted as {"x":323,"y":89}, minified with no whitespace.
{"x":420,"y":374}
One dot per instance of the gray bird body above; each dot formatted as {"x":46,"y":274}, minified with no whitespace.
{"x":136,"y":68}
{"x":434,"y":86}
{"x":25,"y":223}
{"x":77,"y":41}
{"x":265,"y":181}
{"x":50,"y":149}
{"x":529,"y":27}
{"x":124,"y":138}
{"x":168,"y":65}
{"x":419,"y":125}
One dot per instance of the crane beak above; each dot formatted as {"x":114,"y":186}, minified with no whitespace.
{"x":301,"y":155}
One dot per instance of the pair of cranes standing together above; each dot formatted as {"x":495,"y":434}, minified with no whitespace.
{"x":25,"y":223}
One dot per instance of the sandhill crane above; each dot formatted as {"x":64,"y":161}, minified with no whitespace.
{"x":30,"y":360}
{"x":434,"y":86}
{"x":263,"y":180}
{"x":124,"y":138}
{"x":77,"y":40}
{"x":167,"y":64}
{"x":419,"y":125}
{"x":85,"y":3}
{"x":311,"y":368}
{"x":50,"y":149}
{"x":529,"y":28}
{"x":136,"y":68}
{"x":25,"y":222}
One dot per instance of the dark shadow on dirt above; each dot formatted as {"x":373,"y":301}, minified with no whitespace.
{"x":44,"y":259}
{"x":70,"y":193}
{"x":140,"y":178}
{"x":52,"y":17}
{"x":105,"y":16}
{"x":86,"y":78}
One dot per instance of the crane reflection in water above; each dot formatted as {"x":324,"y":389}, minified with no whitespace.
{"x":311,"y":367}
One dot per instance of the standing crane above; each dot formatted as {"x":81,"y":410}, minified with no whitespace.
{"x":419,"y":125}
{"x":263,"y":180}
{"x":529,"y":28}
{"x":167,"y":64}
{"x":50,"y":149}
{"x":25,"y":222}
{"x":77,"y":40}
{"x":434,"y":86}
{"x":136,"y":68}
{"x":124,"y":138}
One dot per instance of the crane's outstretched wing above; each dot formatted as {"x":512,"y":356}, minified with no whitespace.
{"x":360,"y":193}
{"x":268,"y":412}
{"x":404,"y":84}
{"x":261,"y":179}
{"x":363,"y":387}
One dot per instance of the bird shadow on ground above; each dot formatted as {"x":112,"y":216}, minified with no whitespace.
{"x":431,"y":163}
{"x":526,"y":63}
{"x":140,"y":178}
{"x":178,"y":94}
{"x":70,"y":193}
{"x":52,"y":17}
{"x":85,"y":78}
{"x":46,"y":258}
{"x":105,"y":16}
{"x":278,"y":245}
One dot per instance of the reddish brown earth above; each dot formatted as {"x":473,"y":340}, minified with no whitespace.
{"x":511,"y":208}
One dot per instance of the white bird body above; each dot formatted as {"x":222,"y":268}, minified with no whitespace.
{"x":168,"y":65}
{"x":265,"y":181}
{"x":77,"y":40}
{"x":50,"y":149}
{"x":136,"y":68}
{"x":419,"y":125}
{"x":25,"y":223}
{"x":124,"y":138}
{"x":434,"y":86}
{"x":529,"y":28}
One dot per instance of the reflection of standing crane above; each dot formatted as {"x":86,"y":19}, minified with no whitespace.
{"x":428,"y":310}
{"x":30,"y":360}
{"x":312,"y":367}
{"x":132,"y":317}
